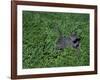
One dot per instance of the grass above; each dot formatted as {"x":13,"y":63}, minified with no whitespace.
{"x":40,"y":36}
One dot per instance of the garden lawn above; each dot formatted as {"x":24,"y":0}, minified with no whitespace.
{"x":40,"y":36}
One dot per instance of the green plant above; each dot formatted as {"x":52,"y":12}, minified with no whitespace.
{"x":40,"y":36}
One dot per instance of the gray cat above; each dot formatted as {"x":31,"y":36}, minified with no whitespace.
{"x":71,"y":41}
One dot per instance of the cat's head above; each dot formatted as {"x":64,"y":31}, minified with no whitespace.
{"x":75,"y":40}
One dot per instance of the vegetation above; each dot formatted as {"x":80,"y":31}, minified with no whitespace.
{"x":40,"y":36}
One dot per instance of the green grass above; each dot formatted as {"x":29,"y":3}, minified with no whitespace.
{"x":40,"y":36}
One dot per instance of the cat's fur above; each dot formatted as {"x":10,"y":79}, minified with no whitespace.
{"x":67,"y":41}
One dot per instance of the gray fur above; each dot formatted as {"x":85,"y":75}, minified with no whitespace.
{"x":71,"y":41}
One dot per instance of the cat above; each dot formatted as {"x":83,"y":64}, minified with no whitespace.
{"x":71,"y":41}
